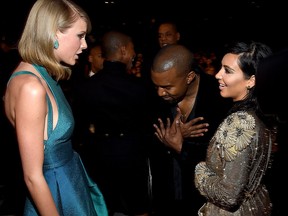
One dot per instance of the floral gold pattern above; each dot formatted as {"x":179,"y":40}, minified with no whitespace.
{"x":235,"y":134}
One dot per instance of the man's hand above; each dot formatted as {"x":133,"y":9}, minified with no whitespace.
{"x":192,"y":129}
{"x":171,"y":134}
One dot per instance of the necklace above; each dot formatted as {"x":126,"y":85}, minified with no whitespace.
{"x":186,"y":108}
{"x":188,"y":102}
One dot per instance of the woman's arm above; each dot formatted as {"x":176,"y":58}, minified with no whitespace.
{"x":30,"y":119}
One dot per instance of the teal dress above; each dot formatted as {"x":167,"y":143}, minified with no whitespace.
{"x":74,"y":193}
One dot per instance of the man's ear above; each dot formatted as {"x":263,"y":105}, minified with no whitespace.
{"x":90,"y":58}
{"x":123,"y":50}
{"x":178,"y":36}
{"x":190,"y":77}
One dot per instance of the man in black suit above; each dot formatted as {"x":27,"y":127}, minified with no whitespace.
{"x":195,"y":94}
{"x":115,"y":104}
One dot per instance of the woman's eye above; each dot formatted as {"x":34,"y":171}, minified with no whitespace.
{"x":81,"y":36}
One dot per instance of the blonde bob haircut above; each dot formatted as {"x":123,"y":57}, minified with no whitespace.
{"x":36,"y":45}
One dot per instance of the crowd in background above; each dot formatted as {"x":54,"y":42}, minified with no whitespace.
{"x":209,"y":61}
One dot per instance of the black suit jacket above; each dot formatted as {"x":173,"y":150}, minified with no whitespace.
{"x":173,"y":172}
{"x":116,"y":104}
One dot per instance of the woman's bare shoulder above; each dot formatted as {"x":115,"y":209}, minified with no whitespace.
{"x":26,"y":82}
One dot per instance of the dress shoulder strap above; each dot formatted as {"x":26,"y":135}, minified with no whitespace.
{"x":20,"y":73}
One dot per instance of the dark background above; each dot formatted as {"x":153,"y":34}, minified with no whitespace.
{"x":203,"y":24}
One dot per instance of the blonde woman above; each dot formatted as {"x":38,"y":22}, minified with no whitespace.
{"x":53,"y":38}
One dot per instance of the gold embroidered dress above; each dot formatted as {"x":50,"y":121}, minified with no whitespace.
{"x":237,"y":158}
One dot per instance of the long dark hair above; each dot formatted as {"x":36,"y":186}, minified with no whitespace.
{"x":250,"y":54}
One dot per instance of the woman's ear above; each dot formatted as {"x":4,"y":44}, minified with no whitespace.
{"x":252,"y":81}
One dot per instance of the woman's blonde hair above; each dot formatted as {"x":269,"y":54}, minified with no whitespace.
{"x":36,"y":45}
